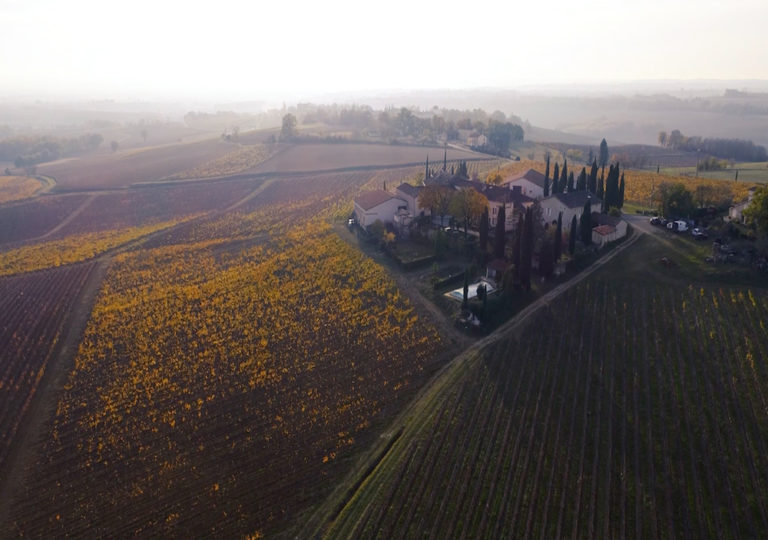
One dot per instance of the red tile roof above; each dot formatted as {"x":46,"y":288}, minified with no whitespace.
{"x":372,"y":199}
{"x":604,"y":230}
{"x":535,"y":177}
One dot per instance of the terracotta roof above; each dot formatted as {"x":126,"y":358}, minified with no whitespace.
{"x":372,"y":199}
{"x":533,"y":176}
{"x":604,"y":230}
{"x":408,"y":189}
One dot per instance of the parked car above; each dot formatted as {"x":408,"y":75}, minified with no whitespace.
{"x":677,"y":226}
{"x":655,"y":220}
{"x":699,"y":233}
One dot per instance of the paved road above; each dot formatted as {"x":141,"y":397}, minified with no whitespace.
{"x":643,"y":224}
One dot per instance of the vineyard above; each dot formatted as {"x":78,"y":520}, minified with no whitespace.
{"x":123,"y":168}
{"x":229,"y":372}
{"x":72,"y":249}
{"x":15,"y":188}
{"x":145,"y":206}
{"x":640,"y":185}
{"x":28,"y":220}
{"x":237,"y":161}
{"x":619,"y":412}
{"x":34,"y":310}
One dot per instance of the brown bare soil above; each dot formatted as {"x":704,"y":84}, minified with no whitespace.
{"x":124,"y":168}
{"x":327,"y":157}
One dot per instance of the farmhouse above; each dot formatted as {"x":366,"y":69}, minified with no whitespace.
{"x":377,"y":204}
{"x":530,"y":182}
{"x":513,"y":201}
{"x":410,"y":194}
{"x":570,"y":204}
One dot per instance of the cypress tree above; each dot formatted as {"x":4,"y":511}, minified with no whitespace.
{"x":546,"y":186}
{"x":517,"y":255}
{"x":500,"y":240}
{"x":603,"y":153}
{"x":558,"y":247}
{"x":586,"y":223}
{"x":608,"y":195}
{"x":526,"y":251}
{"x":581,"y":183}
{"x":556,"y":179}
{"x":621,"y":191}
{"x":483,"y":229}
{"x":572,"y":236}
{"x":426,"y":169}
{"x":600,"y":191}
{"x":563,"y":176}
{"x":445,"y":159}
{"x":571,"y":187}
{"x":592,"y":182}
{"x":546,"y":169}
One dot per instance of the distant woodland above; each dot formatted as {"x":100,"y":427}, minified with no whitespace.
{"x":734,"y":149}
{"x":30,"y":150}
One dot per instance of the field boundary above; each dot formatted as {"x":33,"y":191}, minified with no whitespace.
{"x":67,"y":220}
{"x":45,"y":400}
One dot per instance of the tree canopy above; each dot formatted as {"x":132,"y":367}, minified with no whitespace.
{"x":436,"y":198}
{"x":757,"y":212}
{"x":674,"y":200}
{"x":288,"y":131}
{"x":467,"y":205}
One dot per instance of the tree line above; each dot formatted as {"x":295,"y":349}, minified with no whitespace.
{"x":31,"y":150}
{"x":735,"y":149}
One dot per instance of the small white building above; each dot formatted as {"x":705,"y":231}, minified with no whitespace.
{"x":531,"y":183}
{"x":607,"y":228}
{"x":736,"y":212}
{"x":377,"y":204}
{"x":570,"y":204}
{"x":476,"y":139}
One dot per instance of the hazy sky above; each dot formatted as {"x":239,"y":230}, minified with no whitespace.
{"x":250,"y":49}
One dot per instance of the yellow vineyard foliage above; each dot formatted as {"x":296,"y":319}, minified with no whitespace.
{"x":71,"y":249}
{"x":639,"y":185}
{"x":235,"y":162}
{"x":15,"y":188}
{"x":252,"y":354}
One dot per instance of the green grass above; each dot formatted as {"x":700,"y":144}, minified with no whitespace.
{"x":748,"y":172}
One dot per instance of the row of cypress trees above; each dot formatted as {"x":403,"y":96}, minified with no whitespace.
{"x":610,"y":190}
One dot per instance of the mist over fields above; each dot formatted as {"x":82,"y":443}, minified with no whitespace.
{"x":623,"y":113}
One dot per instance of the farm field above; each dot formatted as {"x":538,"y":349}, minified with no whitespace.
{"x":236,"y":161}
{"x":15,"y":188}
{"x":147,"y":205}
{"x":641,"y":184}
{"x":35,"y":308}
{"x":321,"y":157}
{"x":126,"y":167}
{"x":756,"y":172}
{"x":228,"y":374}
{"x":625,"y":408}
{"x":30,"y":219}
